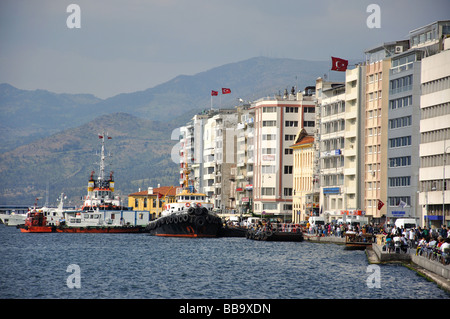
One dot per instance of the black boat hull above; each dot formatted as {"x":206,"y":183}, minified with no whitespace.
{"x":274,"y":235}
{"x":186,"y":225}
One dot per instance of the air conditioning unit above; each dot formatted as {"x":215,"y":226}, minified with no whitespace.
{"x":398,"y":49}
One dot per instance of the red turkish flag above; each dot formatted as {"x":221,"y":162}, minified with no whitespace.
{"x":226,"y":91}
{"x":339,"y":64}
{"x":380,"y":204}
{"x":214,"y":93}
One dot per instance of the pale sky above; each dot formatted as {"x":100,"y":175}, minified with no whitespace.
{"x":131,"y":45}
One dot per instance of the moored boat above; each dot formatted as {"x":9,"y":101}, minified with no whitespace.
{"x":189,"y":216}
{"x":283,"y":232}
{"x":36,"y":222}
{"x":354,"y":240}
{"x":102,"y":212}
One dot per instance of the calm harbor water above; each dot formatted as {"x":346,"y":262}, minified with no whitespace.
{"x":142,"y":266}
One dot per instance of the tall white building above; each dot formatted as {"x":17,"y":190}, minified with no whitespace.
{"x":277,"y":121}
{"x":434,"y":174}
{"x":331,"y":97}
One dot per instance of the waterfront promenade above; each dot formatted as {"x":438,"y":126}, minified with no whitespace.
{"x":428,"y":268}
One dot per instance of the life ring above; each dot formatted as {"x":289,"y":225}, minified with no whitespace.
{"x":188,"y":205}
{"x":198,"y":204}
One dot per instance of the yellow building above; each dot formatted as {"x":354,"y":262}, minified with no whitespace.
{"x":303,"y":189}
{"x":152,"y":200}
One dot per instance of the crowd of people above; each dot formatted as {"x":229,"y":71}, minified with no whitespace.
{"x":338,"y":230}
{"x":431,"y":243}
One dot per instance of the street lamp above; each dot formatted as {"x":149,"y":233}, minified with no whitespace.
{"x":443,"y":184}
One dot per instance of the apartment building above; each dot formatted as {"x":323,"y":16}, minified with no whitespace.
{"x":378,"y":63}
{"x":244,"y":159}
{"x":331,"y":101}
{"x":191,"y":150}
{"x":353,"y":140}
{"x":305,"y":202}
{"x":222,"y":136}
{"x":403,"y":134}
{"x":277,"y":121}
{"x":434,"y":175}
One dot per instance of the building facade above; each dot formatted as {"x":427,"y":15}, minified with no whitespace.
{"x":276,"y":122}
{"x":403,"y":134}
{"x":331,"y":145}
{"x":434,"y":172}
{"x":304,"y":200}
{"x":378,"y":62}
{"x":152,"y":200}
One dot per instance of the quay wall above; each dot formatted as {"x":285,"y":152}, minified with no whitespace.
{"x":327,"y":239}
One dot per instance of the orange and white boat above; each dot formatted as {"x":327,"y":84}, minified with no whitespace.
{"x":36,"y":222}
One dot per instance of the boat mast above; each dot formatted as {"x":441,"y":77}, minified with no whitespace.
{"x":101,"y":176}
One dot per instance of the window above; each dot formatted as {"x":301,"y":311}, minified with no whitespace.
{"x":288,"y":169}
{"x":400,"y":161}
{"x":401,"y":84}
{"x":269,"y":137}
{"x":268,"y":169}
{"x":269,"y":123}
{"x":288,"y":137}
{"x":400,"y":181}
{"x":269,"y":109}
{"x":400,"y":122}
{"x":400,"y":141}
{"x":288,"y":151}
{"x":291,"y":123}
{"x":269,"y":206}
{"x":399,"y":201}
{"x":268,"y":151}
{"x":401,"y":102}
{"x":268,"y":191}
{"x":287,"y":191}
{"x":291,"y":109}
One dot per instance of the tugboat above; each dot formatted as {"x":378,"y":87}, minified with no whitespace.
{"x":189,"y":216}
{"x":36,"y":222}
{"x":101,"y":212}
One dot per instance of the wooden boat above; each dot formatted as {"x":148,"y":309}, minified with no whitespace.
{"x":353,"y":240}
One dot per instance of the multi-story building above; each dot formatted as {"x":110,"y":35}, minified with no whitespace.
{"x":224,"y":152}
{"x":353,"y":139}
{"x":244,"y":159}
{"x":331,"y":99}
{"x":403,"y":134}
{"x":276,"y":122}
{"x":376,"y":91}
{"x":434,"y":174}
{"x":191,"y":149}
{"x":304,"y":200}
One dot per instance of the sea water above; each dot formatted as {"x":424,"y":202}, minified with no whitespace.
{"x":135,"y":266}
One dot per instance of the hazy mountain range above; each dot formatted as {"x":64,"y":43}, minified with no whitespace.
{"x":49,"y":140}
